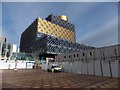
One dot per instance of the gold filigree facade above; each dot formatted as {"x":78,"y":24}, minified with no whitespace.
{"x":49,"y":28}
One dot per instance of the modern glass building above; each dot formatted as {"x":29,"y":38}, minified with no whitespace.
{"x":6,"y":49}
{"x":22,"y":56}
{"x":49,"y":37}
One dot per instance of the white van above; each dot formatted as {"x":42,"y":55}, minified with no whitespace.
{"x":54,"y":68}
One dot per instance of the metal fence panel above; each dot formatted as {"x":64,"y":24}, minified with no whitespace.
{"x":106,"y":68}
{"x":91,"y":68}
{"x":114,"y":68}
{"x":84,"y":67}
{"x":98,"y":70}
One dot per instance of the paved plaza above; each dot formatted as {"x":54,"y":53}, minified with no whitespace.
{"x":42,"y":79}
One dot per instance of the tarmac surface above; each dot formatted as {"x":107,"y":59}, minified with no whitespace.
{"x":26,"y":79}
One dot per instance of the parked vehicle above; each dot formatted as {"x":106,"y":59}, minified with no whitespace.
{"x":54,"y":68}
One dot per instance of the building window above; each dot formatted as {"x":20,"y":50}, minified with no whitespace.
{"x":74,"y":55}
{"x":77,"y":55}
{"x":64,"y":56}
{"x":69,"y":56}
{"x":90,"y":53}
{"x":83,"y":54}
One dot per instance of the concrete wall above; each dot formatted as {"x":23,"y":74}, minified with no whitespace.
{"x":99,"y":62}
{"x":20,"y":65}
{"x":0,"y":79}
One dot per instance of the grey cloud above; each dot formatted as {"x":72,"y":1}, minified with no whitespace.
{"x":107,"y":34}
{"x":20,"y":21}
{"x":60,"y":1}
{"x":81,"y":10}
{"x":9,"y":36}
{"x":22,"y":18}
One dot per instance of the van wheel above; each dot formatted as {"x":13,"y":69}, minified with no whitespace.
{"x":48,"y":70}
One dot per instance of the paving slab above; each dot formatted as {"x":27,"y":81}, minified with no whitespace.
{"x":28,"y":79}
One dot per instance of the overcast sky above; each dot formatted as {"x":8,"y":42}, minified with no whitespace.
{"x":96,"y":22}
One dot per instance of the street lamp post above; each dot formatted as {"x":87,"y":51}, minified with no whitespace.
{"x":15,"y":62}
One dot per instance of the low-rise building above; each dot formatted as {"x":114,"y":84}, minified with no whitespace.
{"x":103,"y":61}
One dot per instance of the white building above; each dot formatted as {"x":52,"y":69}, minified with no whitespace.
{"x":6,"y":49}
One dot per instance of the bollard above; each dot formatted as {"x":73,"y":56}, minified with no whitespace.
{"x":52,"y":70}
